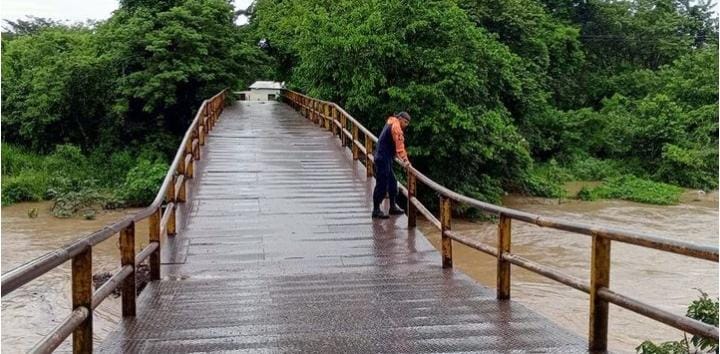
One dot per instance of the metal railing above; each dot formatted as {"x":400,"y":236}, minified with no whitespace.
{"x":162,"y":221}
{"x":360,"y":140}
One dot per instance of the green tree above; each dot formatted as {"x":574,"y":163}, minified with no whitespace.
{"x":377,"y":57}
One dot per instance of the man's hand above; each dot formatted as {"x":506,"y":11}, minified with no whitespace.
{"x":406,"y":164}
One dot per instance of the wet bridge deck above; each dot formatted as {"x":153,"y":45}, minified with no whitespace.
{"x":279,"y":254}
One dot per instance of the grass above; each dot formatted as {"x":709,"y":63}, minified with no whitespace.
{"x":634,"y":189}
{"x":78,"y":182}
{"x":618,"y":182}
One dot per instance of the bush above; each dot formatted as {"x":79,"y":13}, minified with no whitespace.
{"x":28,"y":186}
{"x":16,"y":159}
{"x":703,"y":309}
{"x":593,"y":169}
{"x":142,"y":182}
{"x":634,"y":189}
{"x":546,"y":180}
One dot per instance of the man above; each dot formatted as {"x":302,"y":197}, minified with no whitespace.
{"x":391,"y":142}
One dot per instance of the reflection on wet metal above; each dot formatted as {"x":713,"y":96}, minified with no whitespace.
{"x":282,"y":256}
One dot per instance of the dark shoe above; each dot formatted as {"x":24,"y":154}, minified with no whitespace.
{"x":377,"y":214}
{"x":395,"y":210}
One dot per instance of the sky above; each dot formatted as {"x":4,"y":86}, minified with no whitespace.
{"x":81,"y":10}
{"x":73,"y":10}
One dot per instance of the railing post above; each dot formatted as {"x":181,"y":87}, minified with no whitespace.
{"x":355,"y":150}
{"x":206,"y":113}
{"x":333,"y":114}
{"x":154,"y":236}
{"x":503,"y":266}
{"x":127,"y":257}
{"x":445,"y":221}
{"x":599,"y":278}
{"x":171,"y":231}
{"x":182,"y":193}
{"x":195,"y":148}
{"x":327,"y":115}
{"x":315,"y":112}
{"x":368,"y":157}
{"x":343,"y":124}
{"x":411,"y":211}
{"x":82,"y":296}
{"x":190,"y":171}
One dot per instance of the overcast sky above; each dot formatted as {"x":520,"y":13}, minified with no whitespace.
{"x":80,"y":10}
{"x":72,"y":10}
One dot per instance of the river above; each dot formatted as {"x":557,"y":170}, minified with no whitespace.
{"x":31,"y":311}
{"x":658,"y":278}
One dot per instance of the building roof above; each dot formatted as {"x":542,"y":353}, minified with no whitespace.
{"x":272,"y":85}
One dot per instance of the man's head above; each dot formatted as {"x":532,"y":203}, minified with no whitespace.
{"x":404,"y":118}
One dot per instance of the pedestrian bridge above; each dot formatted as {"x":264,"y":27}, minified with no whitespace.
{"x":261,"y":240}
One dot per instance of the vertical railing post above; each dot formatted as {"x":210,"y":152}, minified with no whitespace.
{"x":182,"y":193}
{"x":154,"y":236}
{"x":354,"y":147}
{"x":503,"y":266}
{"x":445,"y":224}
{"x":343,"y":124}
{"x":82,"y":296}
{"x":326,"y":109}
{"x":190,"y":170}
{"x":333,"y":114}
{"x":195,"y":149}
{"x":316,"y":119}
{"x":205,"y":114}
{"x":599,"y":278}
{"x":127,"y":257}
{"x":411,"y":211}
{"x":171,"y":231}
{"x":368,"y":157}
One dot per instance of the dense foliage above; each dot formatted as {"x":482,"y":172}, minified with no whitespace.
{"x":118,"y":93}
{"x":506,"y":95}
{"x":502,"y":89}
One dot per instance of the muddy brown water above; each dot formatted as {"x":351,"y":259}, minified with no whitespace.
{"x":658,"y":278}
{"x":33,"y":310}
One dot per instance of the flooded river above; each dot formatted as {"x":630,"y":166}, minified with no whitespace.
{"x":31,"y":311}
{"x":658,"y":278}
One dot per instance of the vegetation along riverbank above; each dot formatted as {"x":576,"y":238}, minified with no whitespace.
{"x":506,"y":95}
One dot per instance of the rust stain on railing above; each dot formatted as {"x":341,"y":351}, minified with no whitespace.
{"x":162,"y":222}
{"x":599,"y":285}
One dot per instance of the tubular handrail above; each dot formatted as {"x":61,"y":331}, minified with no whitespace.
{"x":341,"y":123}
{"x":80,"y":251}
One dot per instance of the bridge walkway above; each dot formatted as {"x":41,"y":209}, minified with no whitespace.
{"x":278,"y":254}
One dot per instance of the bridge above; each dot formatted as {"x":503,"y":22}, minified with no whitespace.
{"x":261,"y":240}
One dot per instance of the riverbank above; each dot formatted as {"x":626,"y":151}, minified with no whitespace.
{"x":658,"y":278}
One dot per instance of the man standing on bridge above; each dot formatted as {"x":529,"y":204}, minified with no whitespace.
{"x":391,"y":142}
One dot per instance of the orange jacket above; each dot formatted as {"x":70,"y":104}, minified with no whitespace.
{"x":398,"y":137}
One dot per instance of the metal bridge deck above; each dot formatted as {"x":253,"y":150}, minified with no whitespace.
{"x":278,"y":254}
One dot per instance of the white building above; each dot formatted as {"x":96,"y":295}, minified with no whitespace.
{"x":262,"y":91}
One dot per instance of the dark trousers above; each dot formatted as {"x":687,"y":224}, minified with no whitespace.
{"x":385,"y":182}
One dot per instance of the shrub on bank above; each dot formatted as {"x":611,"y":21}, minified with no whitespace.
{"x":77,"y":182}
{"x":634,"y":189}
{"x":704,"y":310}
{"x":142,"y":182}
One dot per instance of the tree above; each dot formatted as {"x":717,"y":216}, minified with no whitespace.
{"x":428,"y":58}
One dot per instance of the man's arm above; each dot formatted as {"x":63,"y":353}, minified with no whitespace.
{"x":399,"y":139}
